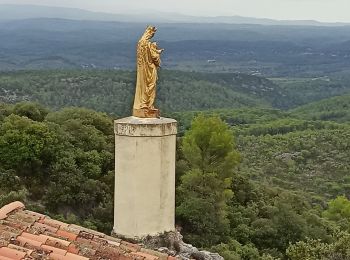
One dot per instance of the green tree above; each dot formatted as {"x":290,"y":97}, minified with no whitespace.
{"x":31,"y":110}
{"x":209,"y":146}
{"x":312,"y":249}
{"x":204,"y":192}
{"x":339,"y":211}
{"x":69,"y":188}
{"x":233,"y":250}
{"x":11,"y":188}
{"x":25,"y":145}
{"x":5,"y":110}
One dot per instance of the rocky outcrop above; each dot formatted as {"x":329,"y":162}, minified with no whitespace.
{"x":171,"y":243}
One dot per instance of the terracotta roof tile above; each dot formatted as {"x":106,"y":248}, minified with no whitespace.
{"x":68,"y":235}
{"x":86,"y":235}
{"x":135,"y":257}
{"x":43,"y":227}
{"x":161,"y":256}
{"x":15,"y":224}
{"x":21,"y":249}
{"x":4,"y":228}
{"x":53,"y":223}
{"x":113,"y":253}
{"x":146,"y":256}
{"x":6,"y":235}
{"x":73,"y":249}
{"x":76,"y":257}
{"x":54,"y":256}
{"x":4,"y":211}
{"x":113,"y":239}
{"x":35,"y":214}
{"x":96,"y":233}
{"x":87,"y":252}
{"x":69,"y":256}
{"x":70,"y":229}
{"x":23,"y":217}
{"x":130,"y":247}
{"x":3,"y":242}
{"x":12,"y":253}
{"x":59,"y":243}
{"x":29,"y":235}
{"x":24,"y":241}
{"x":39,"y":238}
{"x":87,"y":243}
{"x":54,"y":249}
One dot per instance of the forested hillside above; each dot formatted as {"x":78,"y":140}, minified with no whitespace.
{"x":270,"y":188}
{"x":112,"y":91}
{"x":289,"y":169}
{"x":332,"y":109}
{"x":300,"y":91}
{"x":288,"y":152}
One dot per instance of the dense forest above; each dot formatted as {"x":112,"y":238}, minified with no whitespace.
{"x":253,"y":181}
{"x":112,"y":91}
{"x":332,"y":109}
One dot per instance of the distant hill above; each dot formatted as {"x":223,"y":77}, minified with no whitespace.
{"x":113,"y":91}
{"x":15,"y":12}
{"x":300,"y":91}
{"x":332,"y":109}
{"x":55,"y":43}
{"x":20,"y":12}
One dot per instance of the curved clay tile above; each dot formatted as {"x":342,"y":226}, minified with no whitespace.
{"x":29,"y":235}
{"x":12,"y":253}
{"x":6,"y":210}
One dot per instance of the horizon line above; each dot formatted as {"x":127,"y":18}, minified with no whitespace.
{"x":146,"y":11}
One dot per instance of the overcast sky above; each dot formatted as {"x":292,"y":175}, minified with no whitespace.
{"x":322,"y":10}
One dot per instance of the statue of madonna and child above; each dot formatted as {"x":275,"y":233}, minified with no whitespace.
{"x":148,"y":63}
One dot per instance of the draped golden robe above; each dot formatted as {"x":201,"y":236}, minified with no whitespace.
{"x":148,"y":62}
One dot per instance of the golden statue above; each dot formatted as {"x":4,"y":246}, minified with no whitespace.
{"x":148,"y":62}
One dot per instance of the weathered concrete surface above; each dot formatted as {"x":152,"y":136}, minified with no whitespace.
{"x":144,"y":176}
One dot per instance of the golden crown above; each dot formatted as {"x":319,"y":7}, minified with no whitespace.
{"x":151,"y":28}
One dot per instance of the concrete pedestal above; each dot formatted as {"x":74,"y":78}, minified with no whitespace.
{"x":144,"y":176}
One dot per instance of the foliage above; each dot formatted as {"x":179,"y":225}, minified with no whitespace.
{"x":112,"y":91}
{"x":313,"y":161}
{"x":12,"y":196}
{"x":11,"y":188}
{"x":282,"y":201}
{"x":317,"y":250}
{"x":277,"y":199}
{"x":62,"y":160}
{"x":233,"y":250}
{"x":209,"y":146}
{"x":205,"y":191}
{"x":339,"y":211}
{"x":26,"y":145}
{"x":305,"y":90}
{"x":33,"y":111}
{"x":331,"y":109}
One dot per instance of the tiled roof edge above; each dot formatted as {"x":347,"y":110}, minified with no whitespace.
{"x":7,"y":209}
